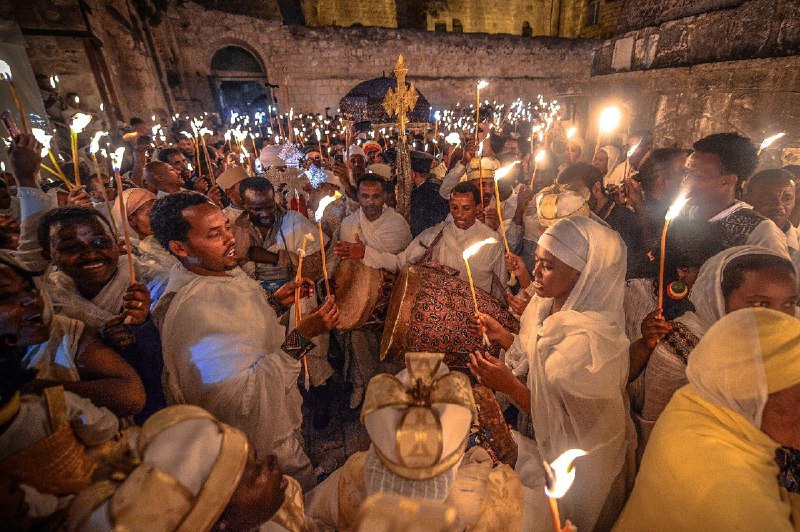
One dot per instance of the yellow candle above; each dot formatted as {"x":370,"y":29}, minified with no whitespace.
{"x":672,"y":212}
{"x":559,"y":477}
{"x":116,"y":163}
{"x":323,"y":204}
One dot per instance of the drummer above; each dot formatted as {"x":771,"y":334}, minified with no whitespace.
{"x":445,"y":242}
{"x":376,"y":227}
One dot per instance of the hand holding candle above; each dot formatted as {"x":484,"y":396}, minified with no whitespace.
{"x":559,"y":477}
{"x":298,"y":312}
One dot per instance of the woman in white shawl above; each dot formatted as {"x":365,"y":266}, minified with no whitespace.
{"x":737,"y":278}
{"x":572,"y":335}
{"x":606,"y":160}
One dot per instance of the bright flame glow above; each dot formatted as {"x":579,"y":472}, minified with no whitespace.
{"x":94,"y":146}
{"x":323,"y":204}
{"x":473,"y":249}
{"x":116,"y":158}
{"x":675,"y":209}
{"x":482,"y":84}
{"x":5,"y":71}
{"x":453,"y":138}
{"x":539,"y":156}
{"x":767,"y":142}
{"x":571,"y":132}
{"x":42,"y":138}
{"x":561,"y":474}
{"x":504,"y":171}
{"x":79,"y":122}
{"x":609,"y":119}
{"x":633,"y":149}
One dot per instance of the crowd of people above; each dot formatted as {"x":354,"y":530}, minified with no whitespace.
{"x":159,"y":340}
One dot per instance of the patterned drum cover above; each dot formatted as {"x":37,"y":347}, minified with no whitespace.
{"x":429,"y":311}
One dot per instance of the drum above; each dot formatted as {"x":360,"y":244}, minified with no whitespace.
{"x":429,"y":311}
{"x":362,"y":295}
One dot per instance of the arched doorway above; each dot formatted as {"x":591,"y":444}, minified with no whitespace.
{"x":239,"y":82}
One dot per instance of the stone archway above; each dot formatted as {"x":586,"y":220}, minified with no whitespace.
{"x":239,"y":82}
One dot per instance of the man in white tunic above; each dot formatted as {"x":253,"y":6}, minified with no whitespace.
{"x":224,"y":348}
{"x":445,"y":242}
{"x":383,"y":230}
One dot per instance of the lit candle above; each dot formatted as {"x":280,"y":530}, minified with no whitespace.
{"x":298,"y":312}
{"x":609,"y":120}
{"x":469,"y":252}
{"x":767,"y":142}
{"x":536,"y":160}
{"x":323,"y":204}
{"x":498,"y":175}
{"x":45,"y":140}
{"x":94,"y":147}
{"x":116,"y":164}
{"x":482,"y":84}
{"x":77,"y":125}
{"x":672,"y":212}
{"x":5,"y":75}
{"x":571,"y":132}
{"x":631,"y":151}
{"x":559,"y":477}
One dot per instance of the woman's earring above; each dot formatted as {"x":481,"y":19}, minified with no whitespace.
{"x":677,"y":290}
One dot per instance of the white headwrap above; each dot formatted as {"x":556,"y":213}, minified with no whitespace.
{"x":355,"y":149}
{"x":744,"y":357}
{"x":706,"y":293}
{"x":614,"y":156}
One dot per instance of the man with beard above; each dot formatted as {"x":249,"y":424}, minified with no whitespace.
{"x":224,"y":348}
{"x":379,"y":228}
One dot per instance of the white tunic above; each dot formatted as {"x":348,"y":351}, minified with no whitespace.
{"x":485,"y":264}
{"x":388,"y":234}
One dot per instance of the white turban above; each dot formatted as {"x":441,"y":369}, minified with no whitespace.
{"x":355,"y":149}
{"x":565,"y":241}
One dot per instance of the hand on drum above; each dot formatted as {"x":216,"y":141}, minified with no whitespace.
{"x":491,"y":372}
{"x":515,"y":265}
{"x":285,"y":295}
{"x":321,"y":320}
{"x":350,"y":250}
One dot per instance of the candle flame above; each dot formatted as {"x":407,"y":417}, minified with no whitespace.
{"x":308,"y":237}
{"x":609,"y":119}
{"x":5,"y":71}
{"x":571,"y":132}
{"x":560,"y":475}
{"x":539,"y":156}
{"x":767,"y":142}
{"x":116,"y":158}
{"x":42,"y":138}
{"x":79,"y":122}
{"x":453,"y":138}
{"x":94,"y":146}
{"x":482,"y":84}
{"x":474,"y":248}
{"x":675,"y":209}
{"x":323,"y":204}
{"x":504,"y":171}
{"x":633,"y":149}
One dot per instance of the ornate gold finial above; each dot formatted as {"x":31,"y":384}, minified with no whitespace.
{"x":401,"y":100}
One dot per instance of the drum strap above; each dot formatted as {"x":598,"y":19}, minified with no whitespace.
{"x":429,"y":252}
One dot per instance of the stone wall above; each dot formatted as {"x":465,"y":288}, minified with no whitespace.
{"x":494,"y":17}
{"x":345,"y":13}
{"x":640,"y":14}
{"x":320,"y":65}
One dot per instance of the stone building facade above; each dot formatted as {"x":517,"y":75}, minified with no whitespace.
{"x":734,"y":66}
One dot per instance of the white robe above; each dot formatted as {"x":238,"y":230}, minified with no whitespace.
{"x":388,"y":234}
{"x":222,"y":351}
{"x":485,"y":264}
{"x":55,"y":358}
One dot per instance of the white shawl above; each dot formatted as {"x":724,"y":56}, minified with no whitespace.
{"x":578,"y":359}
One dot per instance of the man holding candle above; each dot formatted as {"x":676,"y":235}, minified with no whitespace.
{"x":445,"y":242}
{"x":224,"y":348}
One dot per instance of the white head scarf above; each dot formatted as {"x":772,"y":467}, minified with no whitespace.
{"x":744,"y":357}
{"x":578,"y":364}
{"x":614,"y":156}
{"x":706,"y":294}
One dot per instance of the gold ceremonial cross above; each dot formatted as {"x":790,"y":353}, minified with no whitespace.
{"x":401,"y":100}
